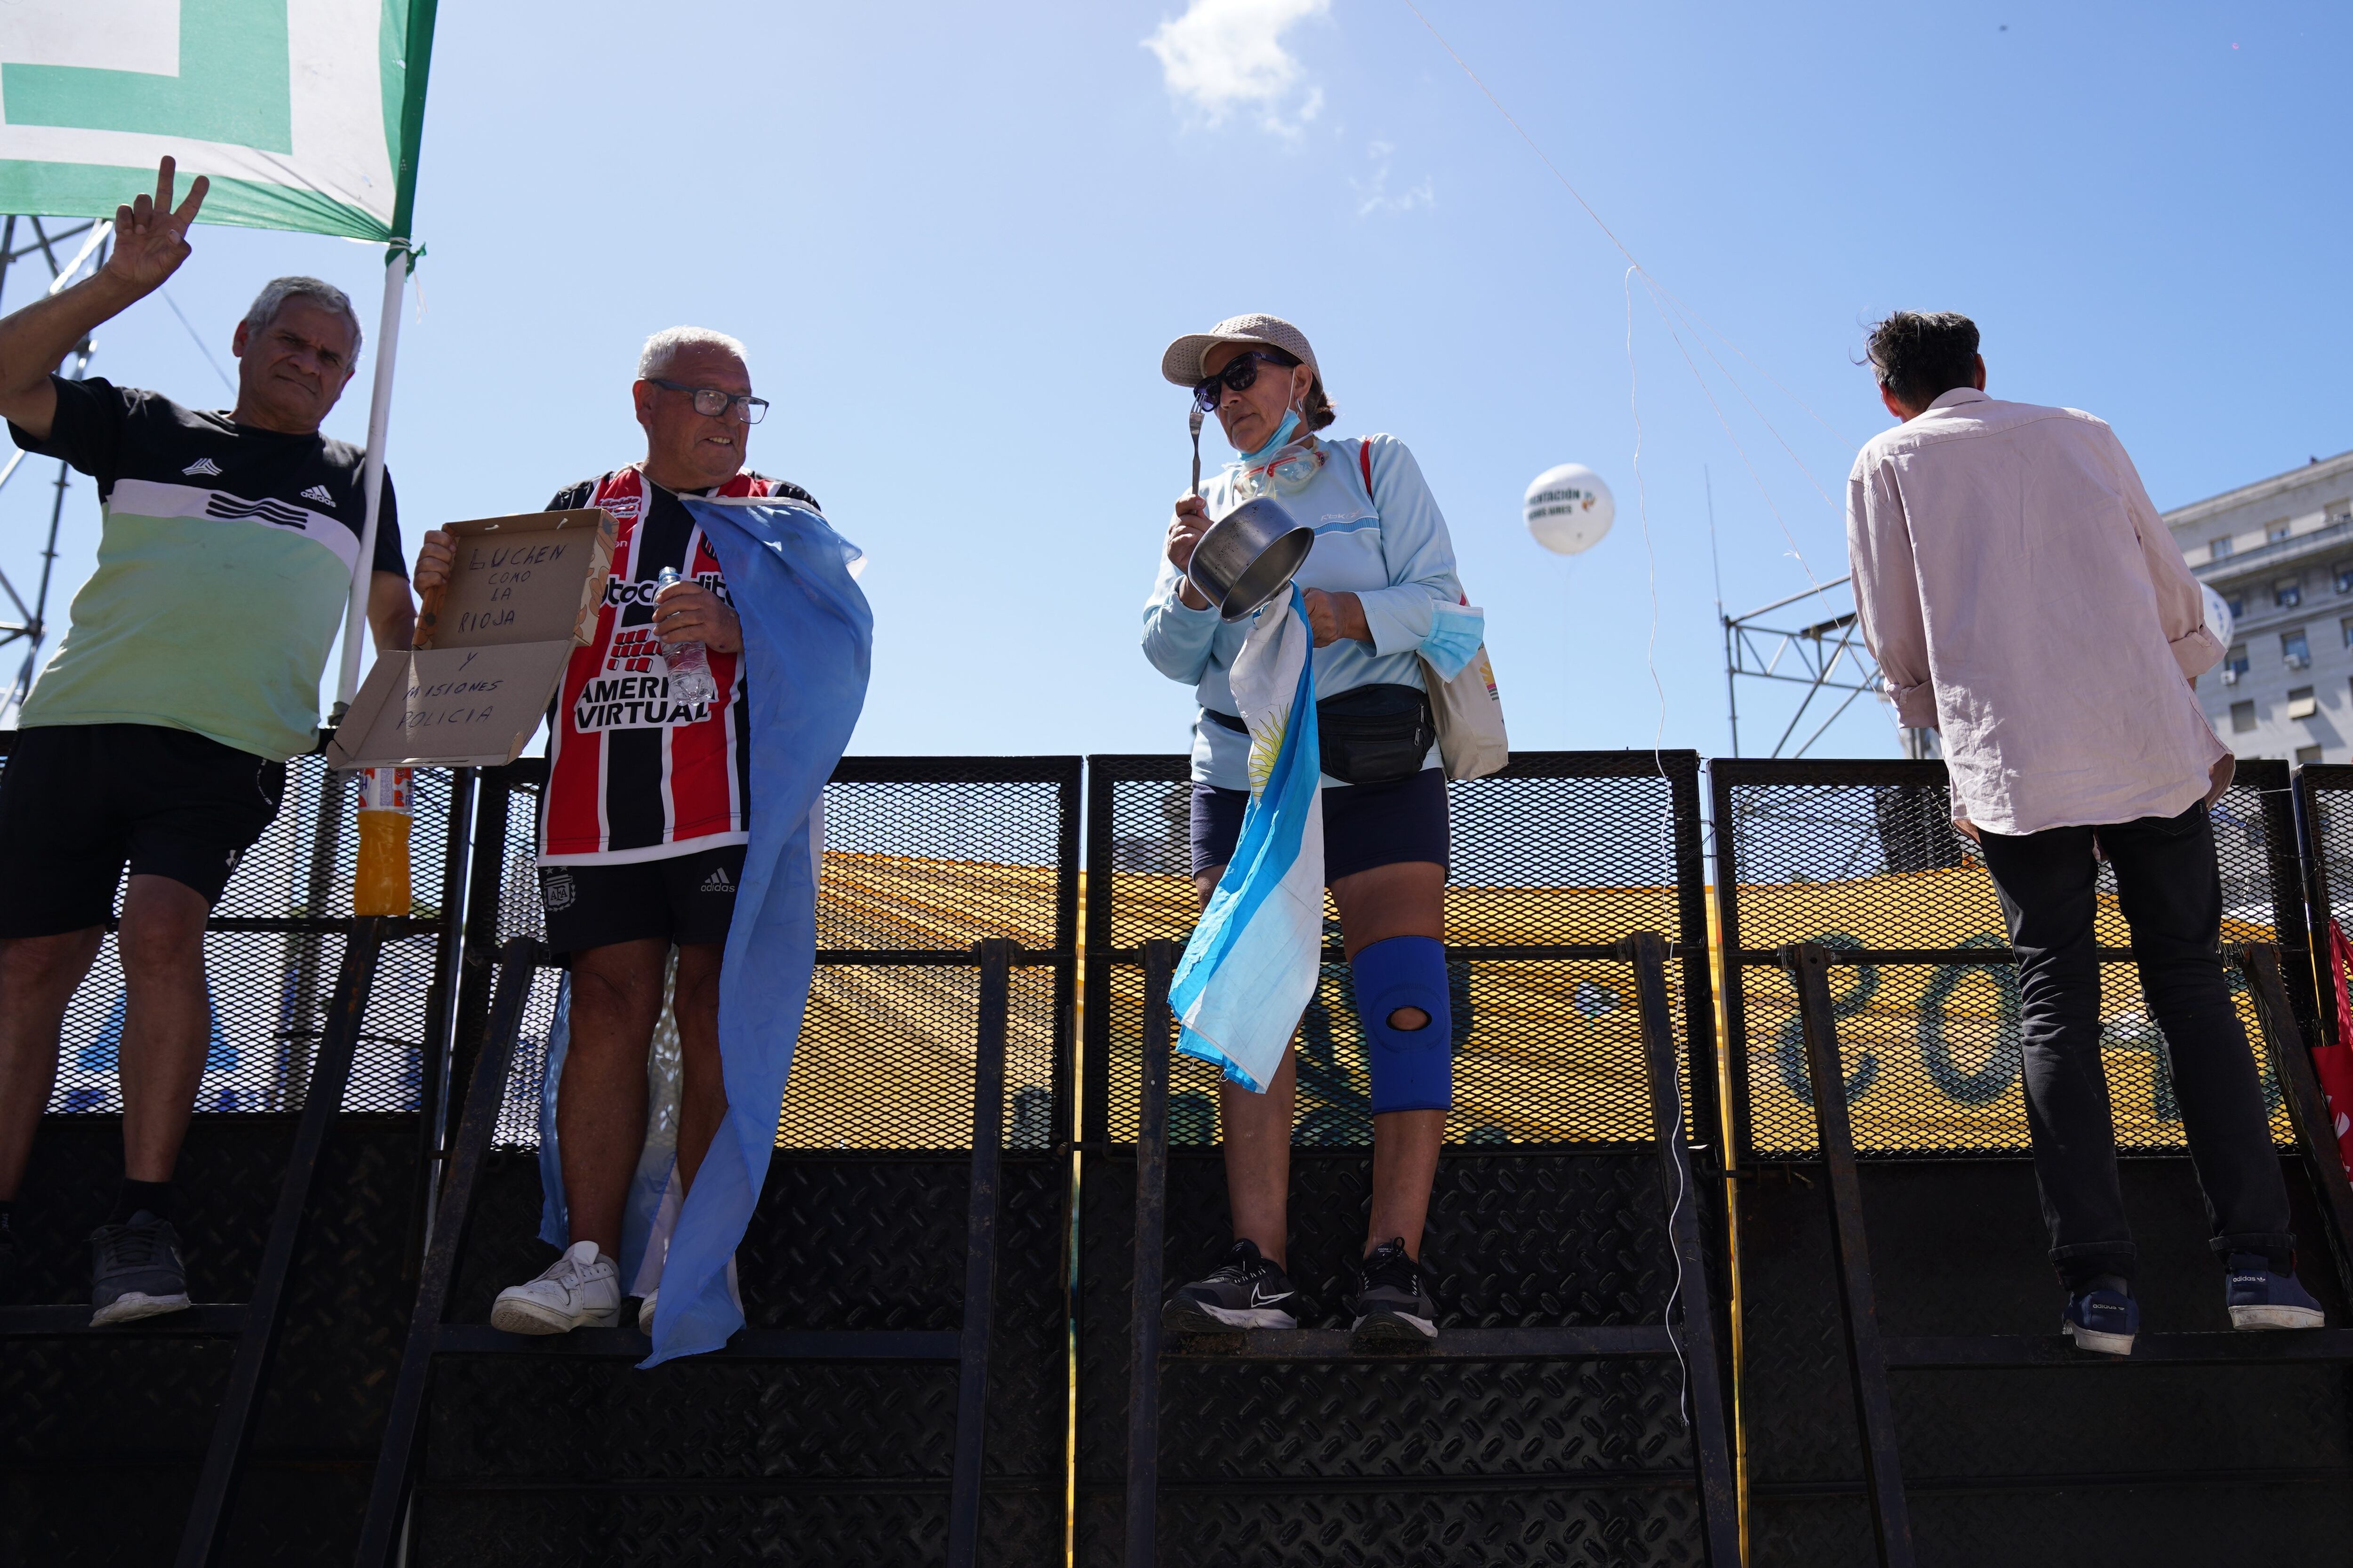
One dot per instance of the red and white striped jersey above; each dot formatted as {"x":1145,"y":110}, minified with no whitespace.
{"x":632,"y":776}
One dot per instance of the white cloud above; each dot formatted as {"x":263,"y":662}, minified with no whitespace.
{"x":1223,"y":56}
{"x":1374,"y":195}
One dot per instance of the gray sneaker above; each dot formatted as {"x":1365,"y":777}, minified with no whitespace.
{"x":135,"y":1270}
{"x":1393,"y":1308}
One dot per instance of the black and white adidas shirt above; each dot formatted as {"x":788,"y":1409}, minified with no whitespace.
{"x":223,"y":568}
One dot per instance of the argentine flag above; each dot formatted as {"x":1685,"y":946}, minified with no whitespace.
{"x":808,"y":641}
{"x":1251,"y":965}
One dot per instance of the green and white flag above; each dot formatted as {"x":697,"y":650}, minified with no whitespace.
{"x":305,"y":113}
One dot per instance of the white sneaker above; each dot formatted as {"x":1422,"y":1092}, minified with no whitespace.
{"x":581,"y":1289}
{"x":646,"y":1311}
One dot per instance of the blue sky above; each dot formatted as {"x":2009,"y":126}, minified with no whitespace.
{"x":957,"y":238}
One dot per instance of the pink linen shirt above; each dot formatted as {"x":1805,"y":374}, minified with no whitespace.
{"x":2024,"y":600}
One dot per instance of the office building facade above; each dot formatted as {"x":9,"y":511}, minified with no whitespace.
{"x":2280,"y":552}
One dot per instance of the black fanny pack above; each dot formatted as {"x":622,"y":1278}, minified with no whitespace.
{"x":1375,"y":735}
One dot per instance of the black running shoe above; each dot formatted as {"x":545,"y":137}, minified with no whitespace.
{"x":1393,"y":1308}
{"x":135,"y":1270}
{"x":1245,"y":1291}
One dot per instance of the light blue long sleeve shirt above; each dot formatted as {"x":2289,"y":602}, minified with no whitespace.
{"x":1396,"y":557}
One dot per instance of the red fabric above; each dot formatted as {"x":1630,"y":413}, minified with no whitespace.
{"x":2333,"y":1064}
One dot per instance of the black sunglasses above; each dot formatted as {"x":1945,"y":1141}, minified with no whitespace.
{"x":1239,"y":376}
{"x":710,"y":401}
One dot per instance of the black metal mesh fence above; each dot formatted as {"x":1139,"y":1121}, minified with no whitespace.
{"x":2325,"y":816}
{"x":923,"y":857}
{"x":1863,"y":857}
{"x":271,"y":950}
{"x":1554,"y":860}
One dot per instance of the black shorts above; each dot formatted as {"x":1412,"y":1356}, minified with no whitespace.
{"x":682,"y":899}
{"x":1365,"y":826}
{"x":80,"y":802}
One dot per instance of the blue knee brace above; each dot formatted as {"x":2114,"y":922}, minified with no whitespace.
{"x":1412,"y":1069}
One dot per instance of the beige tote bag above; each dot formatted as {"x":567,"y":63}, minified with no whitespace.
{"x":1468,"y":709}
{"x":1470,"y":715}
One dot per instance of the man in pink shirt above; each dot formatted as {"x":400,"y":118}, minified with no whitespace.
{"x":2024,"y":600}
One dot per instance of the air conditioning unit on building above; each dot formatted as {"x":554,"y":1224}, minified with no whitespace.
{"x":2230,"y":677}
{"x":2299,"y":661}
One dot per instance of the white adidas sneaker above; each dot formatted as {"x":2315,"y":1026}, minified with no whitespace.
{"x":581,"y":1289}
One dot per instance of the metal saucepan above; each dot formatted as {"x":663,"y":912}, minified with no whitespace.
{"x":1248,"y":557}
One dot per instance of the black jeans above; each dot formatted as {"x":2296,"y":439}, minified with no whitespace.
{"x":2171,"y":892}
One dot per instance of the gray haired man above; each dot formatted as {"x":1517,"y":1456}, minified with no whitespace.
{"x":156,"y":738}
{"x":646,"y":815}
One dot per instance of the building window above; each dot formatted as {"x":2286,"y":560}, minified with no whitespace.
{"x":2274,"y":533}
{"x":2344,"y":570}
{"x":2296,"y":649}
{"x":2234,"y":663}
{"x":2301,"y":703}
{"x":2287,"y":595}
{"x":2243,"y":718}
{"x":2307,"y":753}
{"x":2221,"y":549}
{"x":2237,"y":602}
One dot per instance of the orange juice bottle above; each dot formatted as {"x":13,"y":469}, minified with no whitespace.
{"x":381,"y":886}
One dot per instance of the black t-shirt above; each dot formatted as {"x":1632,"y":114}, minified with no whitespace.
{"x":114,"y":433}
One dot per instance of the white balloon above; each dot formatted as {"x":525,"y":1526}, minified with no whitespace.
{"x":1568,"y":509}
{"x":2218,"y":619}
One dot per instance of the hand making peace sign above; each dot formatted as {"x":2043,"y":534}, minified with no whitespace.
{"x":151,"y":240}
{"x":151,"y":234}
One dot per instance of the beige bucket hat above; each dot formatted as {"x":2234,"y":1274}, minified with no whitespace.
{"x":1182,"y":363}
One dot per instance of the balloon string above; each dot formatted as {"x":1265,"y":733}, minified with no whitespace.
{"x":1650,"y":280}
{"x":1642,"y":511}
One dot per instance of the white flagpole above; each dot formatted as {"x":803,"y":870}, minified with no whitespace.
{"x":388,"y":342}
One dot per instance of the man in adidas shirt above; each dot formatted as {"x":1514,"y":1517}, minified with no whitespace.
{"x":646,"y":815}
{"x":157,"y":736}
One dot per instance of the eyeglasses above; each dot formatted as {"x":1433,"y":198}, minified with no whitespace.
{"x":1239,"y":376}
{"x":712,"y":403}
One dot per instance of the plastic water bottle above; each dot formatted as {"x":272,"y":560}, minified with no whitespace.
{"x":380,"y":886}
{"x":689,"y":662}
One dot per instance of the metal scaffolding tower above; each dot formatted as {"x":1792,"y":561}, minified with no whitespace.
{"x":30,"y":624}
{"x":1823,"y":656}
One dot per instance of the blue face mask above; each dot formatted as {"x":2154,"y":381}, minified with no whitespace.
{"x":1274,"y":443}
{"x":1455,"y":633}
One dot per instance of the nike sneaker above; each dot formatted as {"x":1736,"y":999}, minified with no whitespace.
{"x":1393,"y":1308}
{"x":1245,"y":1291}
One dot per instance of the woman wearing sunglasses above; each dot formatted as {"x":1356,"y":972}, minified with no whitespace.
{"x":1381,"y":566}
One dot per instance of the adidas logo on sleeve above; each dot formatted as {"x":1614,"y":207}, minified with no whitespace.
{"x":319,"y":493}
{"x":204,"y":466}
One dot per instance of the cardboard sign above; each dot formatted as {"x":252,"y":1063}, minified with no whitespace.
{"x":491,"y":645}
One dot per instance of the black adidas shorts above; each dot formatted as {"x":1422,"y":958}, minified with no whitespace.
{"x":80,"y":802}
{"x":684,"y":899}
